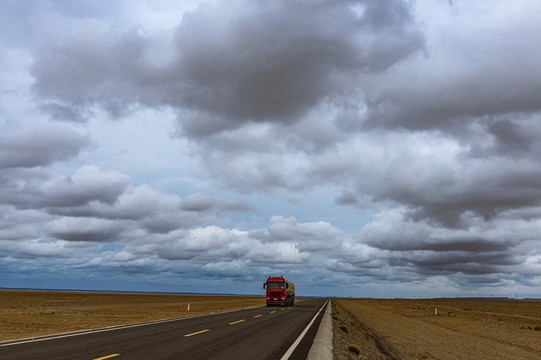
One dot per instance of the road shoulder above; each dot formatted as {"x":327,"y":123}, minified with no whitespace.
{"x":322,"y":346}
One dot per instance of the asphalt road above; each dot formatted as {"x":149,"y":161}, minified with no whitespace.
{"x":257,"y":333}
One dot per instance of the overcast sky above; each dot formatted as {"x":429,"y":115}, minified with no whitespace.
{"x":359,"y":148}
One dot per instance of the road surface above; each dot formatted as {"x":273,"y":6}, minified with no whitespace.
{"x":257,"y":333}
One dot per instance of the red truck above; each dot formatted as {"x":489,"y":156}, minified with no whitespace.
{"x":279,"y":291}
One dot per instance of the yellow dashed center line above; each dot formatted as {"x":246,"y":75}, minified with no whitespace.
{"x":235,"y":322}
{"x":272,"y":312}
{"x":198,"y":332}
{"x":107,"y":357}
{"x":258,"y":316}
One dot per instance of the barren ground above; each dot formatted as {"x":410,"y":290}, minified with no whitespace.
{"x":382,"y":329}
{"x":33,"y":313}
{"x":409,"y":329}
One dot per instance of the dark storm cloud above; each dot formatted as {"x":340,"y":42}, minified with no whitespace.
{"x":154,"y":211}
{"x":198,"y":202}
{"x":229,"y":64}
{"x":472,"y":258}
{"x":276,"y":61}
{"x":347,"y":198}
{"x":484,"y":190}
{"x":452,"y":262}
{"x":40,"y":147}
{"x":425,"y":242}
{"x":201,"y":203}
{"x":100,"y":68}
{"x":512,"y":138}
{"x":499,"y":246}
{"x":465,"y":82}
{"x":88,"y":184}
{"x":83,"y":229}
{"x":24,"y":180}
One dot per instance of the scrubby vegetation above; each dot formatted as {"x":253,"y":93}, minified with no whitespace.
{"x":354,"y":349}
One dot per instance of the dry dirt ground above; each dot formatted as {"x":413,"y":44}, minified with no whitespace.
{"x":409,"y":329}
{"x":33,"y":313}
{"x":381,"y":329}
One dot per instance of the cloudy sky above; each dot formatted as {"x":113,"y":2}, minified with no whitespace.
{"x":359,"y":148}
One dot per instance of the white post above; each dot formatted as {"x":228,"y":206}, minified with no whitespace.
{"x":436,"y":311}
{"x":188,"y":307}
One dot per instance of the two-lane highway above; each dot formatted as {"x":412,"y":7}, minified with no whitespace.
{"x":257,"y":333}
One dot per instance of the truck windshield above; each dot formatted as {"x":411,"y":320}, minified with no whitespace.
{"x":275,"y":285}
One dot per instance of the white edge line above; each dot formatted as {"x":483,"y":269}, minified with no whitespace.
{"x":110,"y":328}
{"x":301,"y":336}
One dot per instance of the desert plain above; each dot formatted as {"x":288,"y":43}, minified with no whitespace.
{"x":25,"y":313}
{"x":437,"y":329}
{"x":379,"y":328}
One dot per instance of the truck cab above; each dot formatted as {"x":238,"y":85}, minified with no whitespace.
{"x":279,"y":291}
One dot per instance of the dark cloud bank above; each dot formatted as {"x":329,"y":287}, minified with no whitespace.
{"x":292,"y":96}
{"x":228,"y":66}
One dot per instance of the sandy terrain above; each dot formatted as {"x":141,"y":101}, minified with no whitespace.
{"x":409,"y":329}
{"x":33,"y":313}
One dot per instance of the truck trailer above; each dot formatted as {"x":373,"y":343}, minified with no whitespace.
{"x":279,"y":291}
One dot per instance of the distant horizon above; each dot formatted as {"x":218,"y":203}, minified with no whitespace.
{"x":499,"y":297}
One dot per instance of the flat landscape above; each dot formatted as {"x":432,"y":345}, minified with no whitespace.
{"x":381,"y":329}
{"x":34,"y":313}
{"x":462,"y":329}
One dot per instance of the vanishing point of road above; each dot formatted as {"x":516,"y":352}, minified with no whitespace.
{"x":257,"y":333}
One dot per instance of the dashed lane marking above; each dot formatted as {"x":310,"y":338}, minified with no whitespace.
{"x":107,"y":357}
{"x":195,"y":333}
{"x":236,"y":322}
{"x":258,"y":316}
